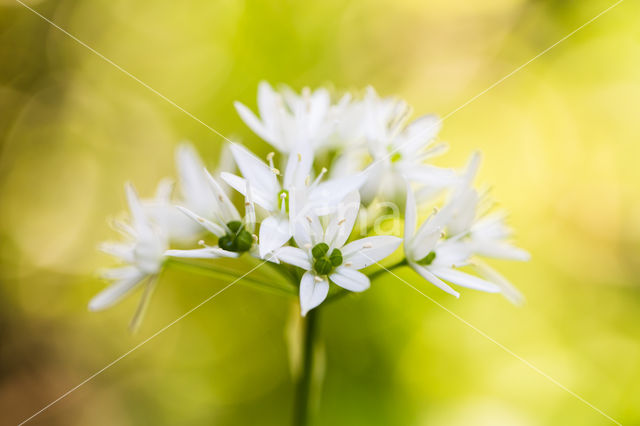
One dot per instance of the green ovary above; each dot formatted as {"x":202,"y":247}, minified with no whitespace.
{"x":323,"y":264}
{"x":238,"y":240}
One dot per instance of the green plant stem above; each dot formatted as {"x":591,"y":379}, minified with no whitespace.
{"x":303,"y":387}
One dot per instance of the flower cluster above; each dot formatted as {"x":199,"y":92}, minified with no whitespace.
{"x":334,"y":163}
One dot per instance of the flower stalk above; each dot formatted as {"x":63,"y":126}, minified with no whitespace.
{"x":304,"y":383}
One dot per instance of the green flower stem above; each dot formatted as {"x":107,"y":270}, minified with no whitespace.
{"x":216,"y":272}
{"x":303,"y":386}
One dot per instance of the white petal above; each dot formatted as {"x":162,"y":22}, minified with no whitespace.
{"x":274,"y":233}
{"x":328,"y":194}
{"x":465,"y":280}
{"x":312,"y":292}
{"x":419,"y":134}
{"x":294,"y":256}
{"x":424,"y":272}
{"x":500,"y":250}
{"x":202,"y":253}
{"x":229,"y":211}
{"x":298,"y":166}
{"x":342,"y":220}
{"x":410,"y":215}
{"x":451,"y":253}
{"x":214,"y":228}
{"x":350,"y":279}
{"x":430,"y":175}
{"x":262,"y":178}
{"x":138,"y":216}
{"x":507,"y":289}
{"x":164,"y":189}
{"x":122,"y":251}
{"x":252,"y":121}
{"x":425,"y":239}
{"x":472,"y":168}
{"x":267,"y":200}
{"x":193,"y":181}
{"x":367,"y":251}
{"x":116,"y":291}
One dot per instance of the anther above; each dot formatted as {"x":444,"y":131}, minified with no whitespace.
{"x":341,"y":221}
{"x":368,"y":245}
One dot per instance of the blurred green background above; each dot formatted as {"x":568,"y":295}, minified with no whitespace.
{"x":561,"y":144}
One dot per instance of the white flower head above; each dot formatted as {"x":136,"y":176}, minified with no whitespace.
{"x":322,"y":252}
{"x":142,"y":254}
{"x":288,"y":119}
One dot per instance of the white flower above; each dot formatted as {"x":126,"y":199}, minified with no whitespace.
{"x":142,"y":254}
{"x":436,"y":258}
{"x":398,"y":150}
{"x":323,"y":254}
{"x":235,"y":234}
{"x":287,"y":201}
{"x":287,"y":119}
{"x":194,"y":194}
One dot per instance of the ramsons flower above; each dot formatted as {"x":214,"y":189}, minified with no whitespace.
{"x":194,"y":193}
{"x":322,"y":253}
{"x":285,"y":200}
{"x":399,"y":151}
{"x":142,"y":254}
{"x":235,"y":233}
{"x":288,"y":119}
{"x":453,"y":236}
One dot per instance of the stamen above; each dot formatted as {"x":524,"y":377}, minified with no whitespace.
{"x":283,"y":201}
{"x":341,"y":221}
{"x":307,"y":246}
{"x":322,"y":172}
{"x":368,"y":245}
{"x":220,"y":198}
{"x":201,"y":243}
{"x":309,"y":219}
{"x":255,"y":237}
{"x":307,"y":180}
{"x":299,"y":157}
{"x":318,"y":279}
{"x":271,"y":166}
{"x":348,"y":264}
